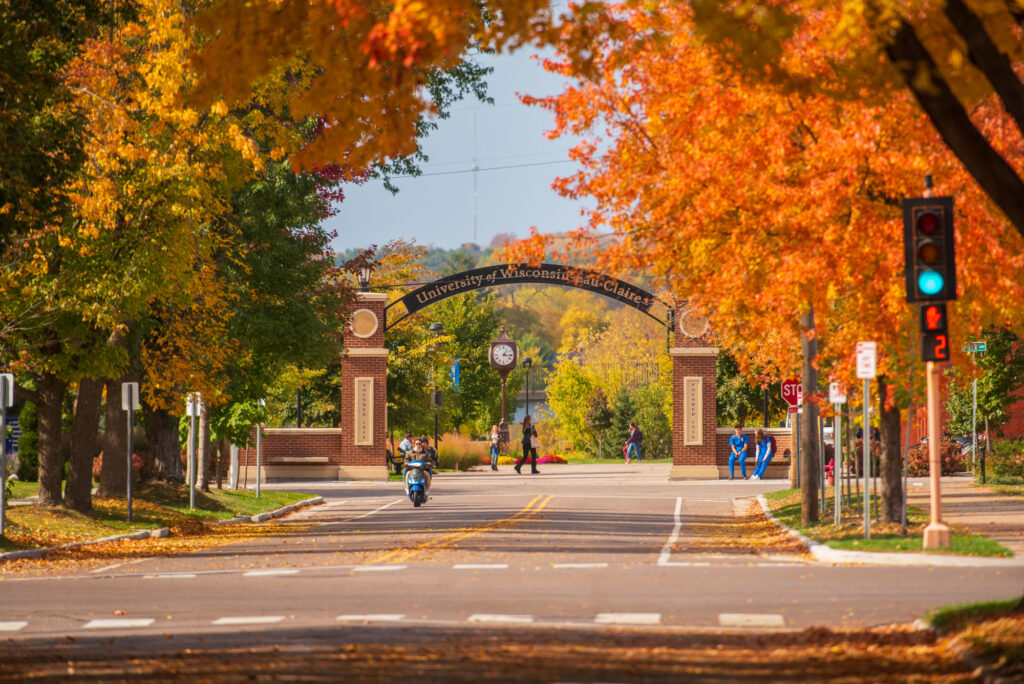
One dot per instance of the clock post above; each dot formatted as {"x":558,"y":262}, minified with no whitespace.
{"x":503,"y":356}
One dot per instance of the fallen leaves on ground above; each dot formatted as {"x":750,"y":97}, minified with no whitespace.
{"x":747,"y":532}
{"x":373,"y":653}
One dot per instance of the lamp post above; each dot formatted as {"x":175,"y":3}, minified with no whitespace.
{"x":527,"y":363}
{"x":364,"y":278}
{"x":435,"y":400}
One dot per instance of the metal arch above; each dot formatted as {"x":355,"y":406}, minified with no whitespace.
{"x":543,"y":274}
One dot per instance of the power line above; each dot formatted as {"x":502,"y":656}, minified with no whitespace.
{"x":490,"y":168}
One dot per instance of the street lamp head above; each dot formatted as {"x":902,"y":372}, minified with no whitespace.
{"x":364,"y":278}
{"x":527,"y":362}
{"x":436,"y":328}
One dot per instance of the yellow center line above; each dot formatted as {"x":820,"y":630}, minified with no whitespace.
{"x":401,"y":555}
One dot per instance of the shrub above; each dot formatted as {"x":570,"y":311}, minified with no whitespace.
{"x":138,"y":462}
{"x":1006,"y":460}
{"x":953,"y":461}
{"x":458,"y":452}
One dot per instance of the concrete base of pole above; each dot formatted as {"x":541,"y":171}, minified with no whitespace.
{"x":936,"y":536}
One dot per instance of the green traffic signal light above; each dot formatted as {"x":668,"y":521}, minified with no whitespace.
{"x":930,"y":282}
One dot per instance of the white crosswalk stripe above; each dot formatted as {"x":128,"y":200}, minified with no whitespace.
{"x":13,"y":626}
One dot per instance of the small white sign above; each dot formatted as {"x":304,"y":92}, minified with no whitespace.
{"x":866,"y":357}
{"x":130,"y":396}
{"x":836,"y":394}
{"x":6,"y":390}
{"x":193,"y":405}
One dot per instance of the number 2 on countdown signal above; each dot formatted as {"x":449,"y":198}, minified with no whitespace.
{"x":935,"y":347}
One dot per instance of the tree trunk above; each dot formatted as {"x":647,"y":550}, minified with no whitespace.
{"x":224,"y":460}
{"x":203,"y":469}
{"x":115,"y":445}
{"x":891,"y":461}
{"x":51,"y":400}
{"x":809,"y":423}
{"x":163,"y":446}
{"x":84,"y":430}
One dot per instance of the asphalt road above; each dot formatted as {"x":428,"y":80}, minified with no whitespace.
{"x":587,"y":548}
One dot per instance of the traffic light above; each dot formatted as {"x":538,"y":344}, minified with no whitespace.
{"x":934,"y":333}
{"x":929,"y":249}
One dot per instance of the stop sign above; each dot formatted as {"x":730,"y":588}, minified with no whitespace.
{"x":792,"y":392}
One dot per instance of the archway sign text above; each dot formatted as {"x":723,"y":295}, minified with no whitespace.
{"x":544,"y":274}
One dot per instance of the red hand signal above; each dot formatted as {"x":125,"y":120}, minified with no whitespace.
{"x":933,"y":317}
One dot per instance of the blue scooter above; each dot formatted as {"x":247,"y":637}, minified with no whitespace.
{"x":417,"y":476}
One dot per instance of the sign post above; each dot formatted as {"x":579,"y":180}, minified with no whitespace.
{"x":192,"y":409}
{"x":6,"y":401}
{"x":793,"y":394}
{"x":259,"y":431}
{"x":837,"y":397}
{"x":866,"y":369}
{"x":130,"y":404}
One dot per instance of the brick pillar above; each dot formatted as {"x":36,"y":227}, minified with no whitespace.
{"x":364,"y":412}
{"x":694,"y":415}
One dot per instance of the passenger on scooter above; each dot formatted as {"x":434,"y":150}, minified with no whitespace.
{"x":431,"y":452}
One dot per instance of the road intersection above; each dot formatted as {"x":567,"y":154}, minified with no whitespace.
{"x":581,"y":547}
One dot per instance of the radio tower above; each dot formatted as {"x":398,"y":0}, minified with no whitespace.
{"x":476,"y":167}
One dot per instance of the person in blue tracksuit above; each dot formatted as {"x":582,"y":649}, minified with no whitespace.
{"x":739,"y":449}
{"x":765,"y":451}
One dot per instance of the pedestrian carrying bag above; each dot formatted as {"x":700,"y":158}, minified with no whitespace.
{"x":534,"y":442}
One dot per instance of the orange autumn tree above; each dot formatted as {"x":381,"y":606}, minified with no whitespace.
{"x":369,"y":61}
{"x":777,"y":213}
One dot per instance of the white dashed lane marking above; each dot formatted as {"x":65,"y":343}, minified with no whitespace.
{"x":268,"y":573}
{"x":487,"y":617}
{"x":579,"y":565}
{"x":628,"y":618}
{"x":480,"y":566}
{"x":172,"y":575}
{"x":252,"y":620}
{"x":13,"y":626}
{"x":377,"y":568}
{"x":751,"y":620}
{"x":373,"y":617}
{"x":114,"y":623}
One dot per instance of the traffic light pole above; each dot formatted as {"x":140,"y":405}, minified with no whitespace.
{"x":936,"y":535}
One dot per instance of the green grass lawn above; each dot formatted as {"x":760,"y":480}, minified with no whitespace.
{"x":1010,"y":486}
{"x":957,"y":615}
{"x":23,"y":490}
{"x":153,"y":505}
{"x":849,"y":536}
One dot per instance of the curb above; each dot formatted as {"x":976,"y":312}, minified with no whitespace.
{"x":159,"y":532}
{"x":827,"y":554}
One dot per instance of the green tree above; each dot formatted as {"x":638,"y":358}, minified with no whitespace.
{"x":653,"y":403}
{"x":623,"y":412}
{"x":599,"y":418}
{"x":1000,"y":378}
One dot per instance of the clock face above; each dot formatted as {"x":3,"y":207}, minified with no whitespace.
{"x":503,"y":355}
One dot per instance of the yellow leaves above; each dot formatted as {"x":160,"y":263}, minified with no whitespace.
{"x":219,"y":108}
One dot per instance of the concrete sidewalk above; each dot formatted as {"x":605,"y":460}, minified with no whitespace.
{"x":981,"y":511}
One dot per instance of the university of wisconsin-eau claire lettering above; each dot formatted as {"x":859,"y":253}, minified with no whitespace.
{"x":507,"y":274}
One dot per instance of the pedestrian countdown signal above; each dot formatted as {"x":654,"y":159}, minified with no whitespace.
{"x":929,"y":249}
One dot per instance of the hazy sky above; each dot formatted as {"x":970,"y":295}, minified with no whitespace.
{"x":438,"y":209}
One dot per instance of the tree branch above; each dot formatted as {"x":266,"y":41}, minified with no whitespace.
{"x":984,"y":55}
{"x":995,"y":176}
